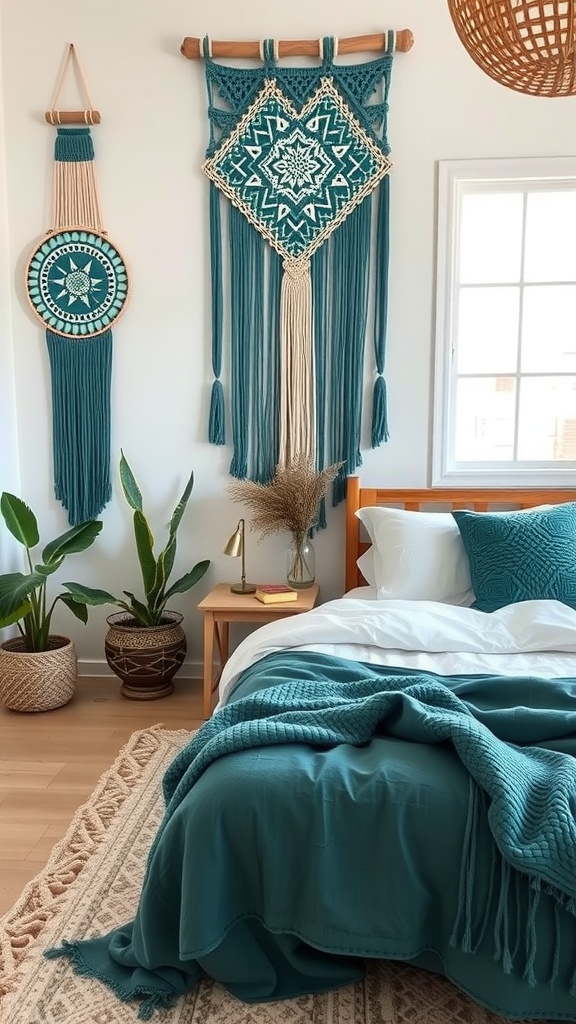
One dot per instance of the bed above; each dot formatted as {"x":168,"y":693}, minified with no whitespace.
{"x":391,"y":775}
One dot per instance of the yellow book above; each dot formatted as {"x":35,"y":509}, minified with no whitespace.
{"x":275,"y":594}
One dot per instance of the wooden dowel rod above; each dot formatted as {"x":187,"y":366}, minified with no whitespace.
{"x":192,"y":47}
{"x":73,"y":116}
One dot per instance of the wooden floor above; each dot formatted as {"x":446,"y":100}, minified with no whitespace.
{"x":50,"y":763}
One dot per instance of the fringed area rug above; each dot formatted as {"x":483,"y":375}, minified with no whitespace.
{"x":91,"y":885}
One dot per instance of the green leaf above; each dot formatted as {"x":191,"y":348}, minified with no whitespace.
{"x":77,"y":539}
{"x":129,"y":485}
{"x":181,"y":507}
{"x":20,"y":520}
{"x":14,"y":616}
{"x":167,"y":556}
{"x":156,"y":598}
{"x":144,"y":546}
{"x":77,"y":609}
{"x":88,"y":595}
{"x":188,"y":581}
{"x":139,"y":610}
{"x":47,"y":570}
{"x":15,"y":588}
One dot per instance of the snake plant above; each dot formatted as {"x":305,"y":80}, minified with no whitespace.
{"x":156,"y":570}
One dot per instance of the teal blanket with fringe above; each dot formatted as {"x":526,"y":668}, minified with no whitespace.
{"x":333,"y":807}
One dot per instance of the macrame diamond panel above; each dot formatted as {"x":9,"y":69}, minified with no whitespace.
{"x":297,"y":175}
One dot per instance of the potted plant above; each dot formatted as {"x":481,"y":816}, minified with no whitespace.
{"x":38,"y":668}
{"x":145,"y":644}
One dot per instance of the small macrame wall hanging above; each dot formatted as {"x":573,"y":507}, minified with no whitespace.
{"x":77,"y":285}
{"x":299,"y":241}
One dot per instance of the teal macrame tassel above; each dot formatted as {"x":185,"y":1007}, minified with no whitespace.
{"x":216,"y":420}
{"x":269,"y":434}
{"x":246,"y":292}
{"x":259,"y":440}
{"x":321,"y":308}
{"x":81,"y":375}
{"x":380,"y":431}
{"x":216,"y":425}
{"x":350,"y":251}
{"x":380,"y":413}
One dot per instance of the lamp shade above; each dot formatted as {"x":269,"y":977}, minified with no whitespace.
{"x":235,"y":545}
{"x":526,"y":45}
{"x":235,"y":548}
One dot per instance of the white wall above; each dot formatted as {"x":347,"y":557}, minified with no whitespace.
{"x":9,"y":479}
{"x":149,"y":150}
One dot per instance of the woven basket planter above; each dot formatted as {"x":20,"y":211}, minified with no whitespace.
{"x":145,"y":658}
{"x":37,"y":681}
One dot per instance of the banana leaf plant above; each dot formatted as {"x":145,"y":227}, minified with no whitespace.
{"x":23,"y":596}
{"x":156,"y":569}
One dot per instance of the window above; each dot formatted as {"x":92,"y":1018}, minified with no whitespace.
{"x":505,"y":371}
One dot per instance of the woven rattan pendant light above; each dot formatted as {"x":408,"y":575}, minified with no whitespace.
{"x":527,"y":45}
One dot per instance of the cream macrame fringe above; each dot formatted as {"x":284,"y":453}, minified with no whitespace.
{"x":297,"y":404}
{"x":76,"y":199}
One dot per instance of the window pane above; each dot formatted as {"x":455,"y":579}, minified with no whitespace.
{"x":550,"y":253}
{"x":549,"y":329}
{"x":491,"y":237}
{"x":488,"y":330}
{"x":547,"y":422}
{"x":484,"y":427}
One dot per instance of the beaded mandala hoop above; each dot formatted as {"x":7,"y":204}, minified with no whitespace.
{"x":77,"y":283}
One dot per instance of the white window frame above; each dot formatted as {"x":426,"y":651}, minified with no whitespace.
{"x":456,"y":178}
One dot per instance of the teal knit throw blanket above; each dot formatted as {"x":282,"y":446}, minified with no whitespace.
{"x":530,"y":792}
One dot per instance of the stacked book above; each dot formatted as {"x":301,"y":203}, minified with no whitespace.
{"x":275,"y":593}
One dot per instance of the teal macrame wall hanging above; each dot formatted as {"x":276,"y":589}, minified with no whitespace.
{"x":77,"y":285}
{"x":301,"y":156}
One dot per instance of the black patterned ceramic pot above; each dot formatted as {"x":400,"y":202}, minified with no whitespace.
{"x":145,"y":658}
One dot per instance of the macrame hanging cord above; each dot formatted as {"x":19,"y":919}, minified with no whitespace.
{"x":299,"y":153}
{"x":77,"y":285}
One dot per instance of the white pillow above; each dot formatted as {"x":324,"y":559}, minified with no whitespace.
{"x":366,"y":565}
{"x":415,"y":556}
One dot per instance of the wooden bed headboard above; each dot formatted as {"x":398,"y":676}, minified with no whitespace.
{"x":444,"y":499}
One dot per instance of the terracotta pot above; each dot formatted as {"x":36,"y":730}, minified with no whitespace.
{"x":37,"y":680}
{"x":145,"y":658}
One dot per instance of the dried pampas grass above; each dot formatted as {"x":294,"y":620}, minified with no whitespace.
{"x":291,"y":501}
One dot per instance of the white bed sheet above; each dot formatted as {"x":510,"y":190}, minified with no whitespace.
{"x":371,"y":594}
{"x":531,"y":638}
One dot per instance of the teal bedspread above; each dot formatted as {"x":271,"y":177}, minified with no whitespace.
{"x":333,"y":811}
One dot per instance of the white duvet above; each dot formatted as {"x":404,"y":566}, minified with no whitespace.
{"x":534,"y":637}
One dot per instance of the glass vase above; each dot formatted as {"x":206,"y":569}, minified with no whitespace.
{"x":300,"y":562}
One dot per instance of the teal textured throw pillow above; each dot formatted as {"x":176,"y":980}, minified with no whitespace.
{"x":521,"y":556}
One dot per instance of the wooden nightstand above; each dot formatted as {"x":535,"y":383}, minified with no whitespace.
{"x":221,"y":607}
